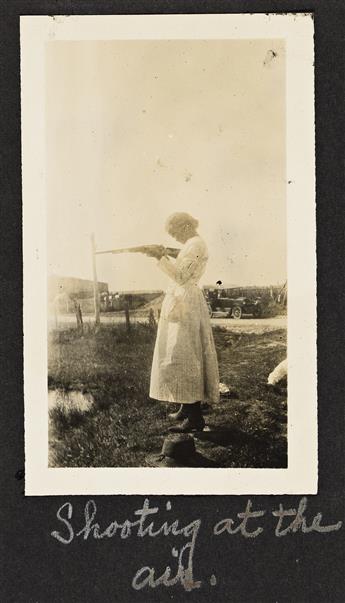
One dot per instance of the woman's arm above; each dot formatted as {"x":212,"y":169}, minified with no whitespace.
{"x":158,"y":251}
{"x":183,"y":270}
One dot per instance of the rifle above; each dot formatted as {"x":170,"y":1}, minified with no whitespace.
{"x":172,"y":251}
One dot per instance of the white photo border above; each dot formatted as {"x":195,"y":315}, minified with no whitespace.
{"x":301,"y":474}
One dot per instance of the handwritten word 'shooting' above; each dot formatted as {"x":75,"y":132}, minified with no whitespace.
{"x":145,"y":524}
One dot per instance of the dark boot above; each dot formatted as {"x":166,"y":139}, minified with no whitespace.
{"x":180,"y":414}
{"x":193,"y":422}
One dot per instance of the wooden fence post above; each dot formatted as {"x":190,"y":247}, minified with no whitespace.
{"x":95,"y":281}
{"x":152,"y":320}
{"x":128,"y":323}
{"x":78,"y":315}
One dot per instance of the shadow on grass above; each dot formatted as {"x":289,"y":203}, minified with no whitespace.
{"x":233,"y":447}
{"x":223,"y":436}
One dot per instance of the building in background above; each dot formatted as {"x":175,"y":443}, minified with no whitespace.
{"x":63,"y":291}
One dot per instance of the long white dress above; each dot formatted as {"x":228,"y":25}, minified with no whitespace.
{"x":185,"y":367}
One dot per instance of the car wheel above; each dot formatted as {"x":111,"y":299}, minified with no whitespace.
{"x":237,"y":312}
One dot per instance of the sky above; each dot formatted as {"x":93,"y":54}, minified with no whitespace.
{"x":137,"y":130}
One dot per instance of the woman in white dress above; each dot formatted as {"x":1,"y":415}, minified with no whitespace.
{"x":184,"y":367}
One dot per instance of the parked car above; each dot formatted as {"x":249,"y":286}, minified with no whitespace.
{"x":235,"y":307}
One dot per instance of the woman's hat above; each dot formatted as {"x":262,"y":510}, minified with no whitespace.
{"x":178,"y":450}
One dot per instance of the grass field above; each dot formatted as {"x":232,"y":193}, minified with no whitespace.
{"x":246,"y":429}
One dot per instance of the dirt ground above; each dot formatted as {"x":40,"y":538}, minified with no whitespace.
{"x":254,"y":325}
{"x":251,"y":325}
{"x":123,"y":425}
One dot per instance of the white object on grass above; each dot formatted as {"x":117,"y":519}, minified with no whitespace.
{"x":223,"y":388}
{"x":278,"y":373}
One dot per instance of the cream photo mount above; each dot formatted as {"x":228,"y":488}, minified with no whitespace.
{"x":300,"y":477}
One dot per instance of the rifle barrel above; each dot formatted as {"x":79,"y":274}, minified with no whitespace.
{"x":140,"y":249}
{"x":125,"y":250}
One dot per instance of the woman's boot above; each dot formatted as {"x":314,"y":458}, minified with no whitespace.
{"x":180,"y":414}
{"x":193,"y":422}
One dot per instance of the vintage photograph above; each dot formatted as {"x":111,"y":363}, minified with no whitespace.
{"x":166,"y":241}
{"x":167,"y":283}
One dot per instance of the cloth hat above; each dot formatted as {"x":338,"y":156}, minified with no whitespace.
{"x":178,"y":450}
